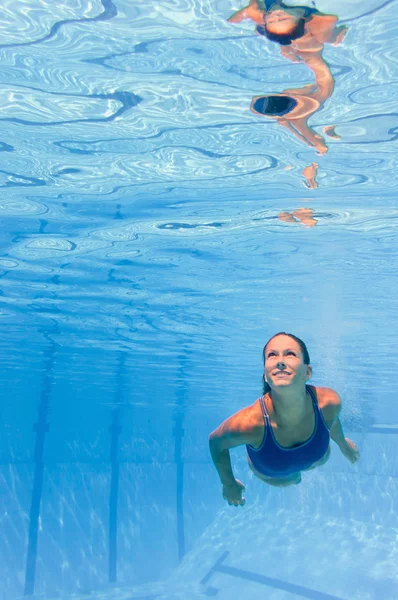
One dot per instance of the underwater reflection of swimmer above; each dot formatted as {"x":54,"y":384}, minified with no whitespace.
{"x":293,"y":107}
{"x":301,"y":215}
{"x":300,"y":27}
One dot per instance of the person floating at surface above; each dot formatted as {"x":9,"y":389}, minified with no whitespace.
{"x":301,"y":27}
{"x":293,"y":107}
{"x":288,"y":429}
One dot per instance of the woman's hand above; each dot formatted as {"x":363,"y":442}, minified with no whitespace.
{"x":350,"y":451}
{"x":254,"y":11}
{"x":233,"y":493}
{"x":320,"y":145}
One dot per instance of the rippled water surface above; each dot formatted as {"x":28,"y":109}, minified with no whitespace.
{"x":154,"y":234}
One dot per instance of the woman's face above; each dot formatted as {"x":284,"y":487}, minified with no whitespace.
{"x":284,"y":363}
{"x":281,"y":21}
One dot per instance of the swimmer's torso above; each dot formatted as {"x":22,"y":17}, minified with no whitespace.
{"x":277,"y":452}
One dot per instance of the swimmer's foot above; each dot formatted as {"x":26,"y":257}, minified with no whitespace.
{"x":310,"y":174}
{"x":330,"y":131}
{"x":305,"y":215}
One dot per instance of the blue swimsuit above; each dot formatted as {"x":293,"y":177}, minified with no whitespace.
{"x":273,"y":460}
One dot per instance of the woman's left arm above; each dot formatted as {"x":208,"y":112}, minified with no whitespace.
{"x":347,"y":447}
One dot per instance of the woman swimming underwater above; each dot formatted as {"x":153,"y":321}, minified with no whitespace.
{"x":288,"y":429}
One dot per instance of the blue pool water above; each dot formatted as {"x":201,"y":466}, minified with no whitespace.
{"x":154,"y":234}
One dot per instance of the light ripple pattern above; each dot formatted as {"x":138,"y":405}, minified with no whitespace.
{"x":154,"y":233}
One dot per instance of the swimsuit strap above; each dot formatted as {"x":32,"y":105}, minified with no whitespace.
{"x":313,"y":396}
{"x":317,"y":410}
{"x":263,"y":408}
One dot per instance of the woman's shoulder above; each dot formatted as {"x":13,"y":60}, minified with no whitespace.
{"x":248,"y":416}
{"x":318,"y":19}
{"x":328,"y":399}
{"x":254,"y":414}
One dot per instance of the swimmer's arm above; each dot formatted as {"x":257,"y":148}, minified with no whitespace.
{"x":337,"y":433}
{"x":235,"y":431}
{"x":330,"y":411}
{"x":336,"y":429}
{"x":253,"y":11}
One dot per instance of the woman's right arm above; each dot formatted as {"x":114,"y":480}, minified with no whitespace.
{"x":235,"y":431}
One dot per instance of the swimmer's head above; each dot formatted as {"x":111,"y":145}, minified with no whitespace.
{"x":273,"y":106}
{"x":293,"y":352}
{"x":283,"y":25}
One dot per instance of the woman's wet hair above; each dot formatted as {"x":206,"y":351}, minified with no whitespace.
{"x":284,"y":39}
{"x":274,"y":106}
{"x":303,"y":347}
